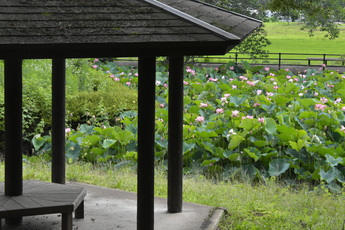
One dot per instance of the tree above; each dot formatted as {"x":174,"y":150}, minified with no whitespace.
{"x":317,"y":14}
{"x":255,"y":43}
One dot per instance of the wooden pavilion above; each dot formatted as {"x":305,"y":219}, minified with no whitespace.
{"x":60,"y":29}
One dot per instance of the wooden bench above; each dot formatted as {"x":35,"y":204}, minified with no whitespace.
{"x":342,"y":60}
{"x":41,"y":198}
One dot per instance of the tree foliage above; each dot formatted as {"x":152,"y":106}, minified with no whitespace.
{"x":256,"y":42}
{"x":317,"y":14}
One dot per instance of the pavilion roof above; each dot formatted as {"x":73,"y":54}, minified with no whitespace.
{"x":99,"y":28}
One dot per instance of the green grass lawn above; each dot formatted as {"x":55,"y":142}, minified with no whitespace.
{"x":289,"y":38}
{"x":264,"y":205}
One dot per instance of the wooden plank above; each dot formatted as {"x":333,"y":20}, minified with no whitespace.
{"x":126,"y":23}
{"x":47,"y":10}
{"x":94,"y":39}
{"x":10,"y":204}
{"x":94,"y":3}
{"x":26,"y":202}
{"x":101,"y":31}
{"x":82,"y":17}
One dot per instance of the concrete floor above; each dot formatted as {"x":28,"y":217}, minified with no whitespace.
{"x":107,"y":209}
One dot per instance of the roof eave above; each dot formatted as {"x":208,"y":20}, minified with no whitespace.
{"x":87,"y":50}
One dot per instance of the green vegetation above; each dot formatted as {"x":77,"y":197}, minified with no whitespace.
{"x":267,"y":205}
{"x":263,"y":122}
{"x":287,"y":37}
{"x":88,"y":93}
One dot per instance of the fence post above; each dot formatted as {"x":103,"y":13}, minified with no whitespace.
{"x":236,"y":56}
{"x":279,"y":61}
{"x":324,"y":62}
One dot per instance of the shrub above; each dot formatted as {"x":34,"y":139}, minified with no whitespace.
{"x":84,"y":105}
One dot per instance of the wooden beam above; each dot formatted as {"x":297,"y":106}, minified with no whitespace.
{"x":175,"y":134}
{"x":13,"y":132}
{"x":58,"y":120}
{"x":146,"y":142}
{"x":13,"y":128}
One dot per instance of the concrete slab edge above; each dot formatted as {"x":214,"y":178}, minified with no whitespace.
{"x":215,"y":218}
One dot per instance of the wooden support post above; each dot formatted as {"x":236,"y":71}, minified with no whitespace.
{"x":79,"y":212}
{"x":175,"y":134}
{"x":66,"y":221}
{"x":58,"y":120}
{"x":13,"y":132}
{"x":146,"y":142}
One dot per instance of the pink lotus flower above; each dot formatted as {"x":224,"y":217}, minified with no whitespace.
{"x":185,"y":83}
{"x":128,"y":83}
{"x":213,"y":79}
{"x":161,"y":105}
{"x":227,"y":95}
{"x":248,"y":117}
{"x":256,"y":104}
{"x":67,"y":130}
{"x":323,"y":100}
{"x":251,"y":83}
{"x":267,"y":69}
{"x":235,"y":113}
{"x":203,"y":105}
{"x":338,"y":100}
{"x":232,"y":68}
{"x":261,"y":119}
{"x":199,"y":119}
{"x":116,"y":79}
{"x":320,"y":107}
{"x":95,"y":66}
{"x":220,"y":110}
{"x":342,"y":129}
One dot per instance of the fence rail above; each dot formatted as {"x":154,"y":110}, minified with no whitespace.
{"x":280,"y":59}
{"x":277,"y":59}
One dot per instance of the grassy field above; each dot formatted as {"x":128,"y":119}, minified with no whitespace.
{"x":289,"y":38}
{"x":265,"y":205}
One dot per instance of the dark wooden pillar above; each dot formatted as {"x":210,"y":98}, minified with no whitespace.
{"x":13,"y":128}
{"x":58,"y":120}
{"x":175,"y":134}
{"x":146,"y":142}
{"x":13,"y":131}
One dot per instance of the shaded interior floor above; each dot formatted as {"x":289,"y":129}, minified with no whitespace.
{"x":107,"y":209}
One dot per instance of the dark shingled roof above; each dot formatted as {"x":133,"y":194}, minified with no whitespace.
{"x":80,"y":28}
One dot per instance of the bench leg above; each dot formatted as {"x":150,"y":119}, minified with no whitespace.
{"x":67,"y":221}
{"x":79,"y":212}
{"x":16,"y":221}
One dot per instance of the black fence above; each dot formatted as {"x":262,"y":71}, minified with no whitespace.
{"x":279,"y":59}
